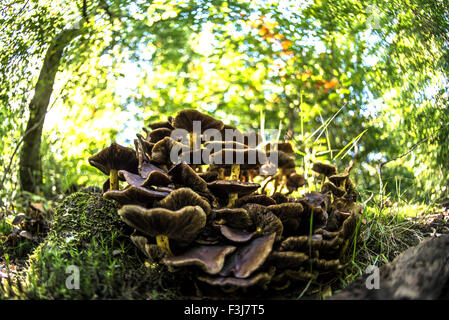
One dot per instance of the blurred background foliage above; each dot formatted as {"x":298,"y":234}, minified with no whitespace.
{"x":368,"y":78}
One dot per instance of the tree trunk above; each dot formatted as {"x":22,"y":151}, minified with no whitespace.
{"x":30,"y":166}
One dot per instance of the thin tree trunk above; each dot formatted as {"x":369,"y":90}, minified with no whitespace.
{"x":30,"y":165}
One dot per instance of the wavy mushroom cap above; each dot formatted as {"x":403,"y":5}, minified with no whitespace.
{"x":236,"y":235}
{"x":315,"y":242}
{"x":289,"y":214}
{"x":339,"y":179}
{"x":146,"y":168}
{"x":295,"y":181}
{"x":184,"y":175}
{"x":185,"y":118}
{"x":255,"y":198}
{"x":288,"y":259}
{"x":324,"y":168}
{"x":208,"y":258}
{"x":159,"y":134}
{"x":183,"y":197}
{"x":220,"y":187}
{"x":330,"y":187}
{"x":135,"y":195}
{"x":182,"y":225}
{"x":155,"y":178}
{"x":249,"y":258}
{"x":261,"y":279}
{"x":115,"y":157}
{"x":233,"y":217}
{"x":144,"y":144}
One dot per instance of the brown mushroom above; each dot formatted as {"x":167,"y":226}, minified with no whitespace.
{"x":249,"y":258}
{"x":182,"y":225}
{"x":183,"y":197}
{"x":155,"y":178}
{"x":185,"y":120}
{"x":135,"y":195}
{"x":261,"y":279}
{"x":114,"y":158}
{"x":231,"y":187}
{"x":232,"y":217}
{"x":289,"y":214}
{"x":236,"y":235}
{"x":208,"y":258}
{"x":324,"y":168}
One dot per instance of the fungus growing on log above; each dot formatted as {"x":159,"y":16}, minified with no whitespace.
{"x":215,"y":222}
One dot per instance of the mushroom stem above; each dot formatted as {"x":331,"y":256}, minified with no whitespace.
{"x":221,"y":174}
{"x":235,"y":172}
{"x":162,"y":241}
{"x":193,"y":142}
{"x":232,"y":199}
{"x":113,"y":178}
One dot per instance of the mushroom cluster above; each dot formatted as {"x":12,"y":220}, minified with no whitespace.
{"x":209,"y":217}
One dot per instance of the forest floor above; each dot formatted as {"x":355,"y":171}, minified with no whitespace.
{"x":383,"y":237}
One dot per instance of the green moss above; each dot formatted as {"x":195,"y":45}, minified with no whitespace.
{"x":88,"y":234}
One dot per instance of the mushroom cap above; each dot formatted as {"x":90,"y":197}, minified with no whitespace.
{"x":339,"y":179}
{"x":294,"y":181}
{"x":184,"y":120}
{"x":147,"y":167}
{"x":324,"y":168}
{"x":161,"y":152}
{"x":280,"y":198}
{"x":182,"y":225}
{"x":336,"y":191}
{"x":233,"y":217}
{"x":247,"y":158}
{"x":208,"y":258}
{"x":115,"y":157}
{"x":255,"y":198}
{"x":315,"y":242}
{"x":261,"y":279}
{"x":264,"y":221}
{"x":236,"y":235}
{"x":289,"y":214}
{"x":183,"y":174}
{"x":182,"y":197}
{"x":249,"y":258}
{"x":160,"y":124}
{"x":159,"y":134}
{"x":155,"y":178}
{"x":288,"y":259}
{"x":285,"y":146}
{"x":135,"y":195}
{"x":144,"y":144}
{"x":229,"y":186}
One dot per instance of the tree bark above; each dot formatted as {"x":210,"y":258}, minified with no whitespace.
{"x":30,"y":165}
